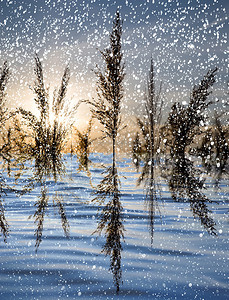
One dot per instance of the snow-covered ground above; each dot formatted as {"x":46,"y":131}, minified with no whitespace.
{"x":184,"y":261}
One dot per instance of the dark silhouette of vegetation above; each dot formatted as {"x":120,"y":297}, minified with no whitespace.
{"x":214,"y":146}
{"x":42,"y":139}
{"x":152,"y":196}
{"x":146,"y":146}
{"x":214,"y":149}
{"x":4,"y":147}
{"x":185,"y":185}
{"x":42,"y":205}
{"x":137,"y":151}
{"x":221,"y":147}
{"x":46,"y":135}
{"x":183,"y":125}
{"x":111,"y":221}
{"x":4,"y":77}
{"x":84,"y":142}
{"x":184,"y":122}
{"x":107,"y":111}
{"x":5,"y":134}
{"x":39,"y":215}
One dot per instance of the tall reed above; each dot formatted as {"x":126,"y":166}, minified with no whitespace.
{"x":146,"y":145}
{"x":106,"y":109}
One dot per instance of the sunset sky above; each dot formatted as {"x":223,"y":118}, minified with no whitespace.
{"x":185,"y":39}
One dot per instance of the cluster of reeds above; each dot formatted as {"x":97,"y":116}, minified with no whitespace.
{"x":183,"y":125}
{"x":38,"y":138}
{"x":43,"y":138}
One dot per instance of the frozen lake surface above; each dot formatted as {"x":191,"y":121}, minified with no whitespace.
{"x":183,"y":262}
